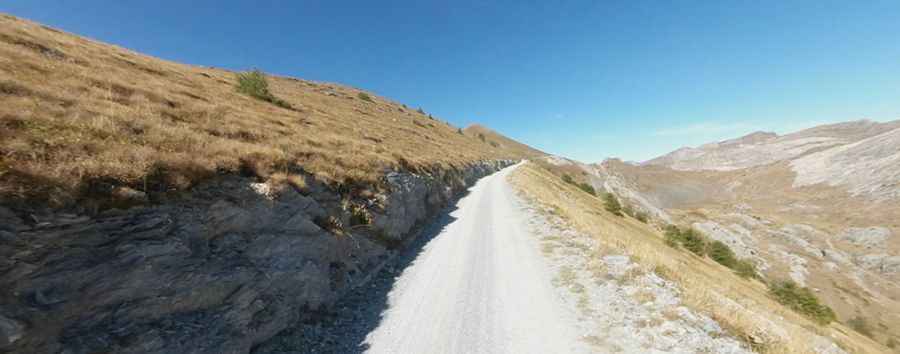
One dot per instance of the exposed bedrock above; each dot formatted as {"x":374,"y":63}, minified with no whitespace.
{"x":226,"y":266}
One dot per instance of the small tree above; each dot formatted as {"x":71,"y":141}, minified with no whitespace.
{"x":420,"y":110}
{"x":254,"y":84}
{"x":612,"y":204}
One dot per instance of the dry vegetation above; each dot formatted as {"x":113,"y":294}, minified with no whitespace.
{"x":79,"y":117}
{"x":742,"y":306}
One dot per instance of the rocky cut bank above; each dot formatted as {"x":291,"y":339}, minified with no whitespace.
{"x":221,"y":268}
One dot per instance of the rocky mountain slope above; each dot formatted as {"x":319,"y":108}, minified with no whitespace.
{"x":148,"y":206}
{"x":819,"y":207}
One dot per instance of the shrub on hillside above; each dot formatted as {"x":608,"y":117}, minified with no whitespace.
{"x":693,"y":241}
{"x":254,"y":84}
{"x":568,"y":179}
{"x":364,"y":96}
{"x":722,"y":254}
{"x":587,"y":188}
{"x":612,"y":204}
{"x":745,"y":269}
{"x":688,"y":238}
{"x":802,"y":300}
{"x":672,"y":236}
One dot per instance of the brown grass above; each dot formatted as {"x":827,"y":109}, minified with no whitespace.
{"x":76,"y":114}
{"x":739,"y":305}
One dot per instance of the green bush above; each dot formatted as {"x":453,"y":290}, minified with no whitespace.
{"x":722,"y":254}
{"x":612,"y":204}
{"x":587,"y":188}
{"x":693,"y":241}
{"x":802,"y":300}
{"x":254,"y":84}
{"x":420,"y":110}
{"x":364,"y":96}
{"x":745,"y":269}
{"x":568,"y":179}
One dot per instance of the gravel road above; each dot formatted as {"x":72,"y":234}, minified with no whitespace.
{"x":479,"y":286}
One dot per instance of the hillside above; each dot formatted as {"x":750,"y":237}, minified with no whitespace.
{"x":818,"y":207}
{"x":149,"y":206}
{"x":80,"y":118}
{"x":741,"y":306}
{"x":499,"y":141}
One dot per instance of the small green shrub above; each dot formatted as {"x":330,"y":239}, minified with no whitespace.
{"x":612,"y":204}
{"x":364,"y":96}
{"x":722,"y":254}
{"x":672,"y":240}
{"x":420,"y":110}
{"x":587,"y":188}
{"x":459,"y":131}
{"x":693,"y":241}
{"x":745,"y":269}
{"x":860,"y":325}
{"x":802,"y":300}
{"x":254,"y":84}
{"x":568,"y":179}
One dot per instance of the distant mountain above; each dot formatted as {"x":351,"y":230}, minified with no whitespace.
{"x":761,"y":148}
{"x":819,"y":206}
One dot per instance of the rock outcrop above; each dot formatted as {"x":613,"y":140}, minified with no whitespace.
{"x":219,"y":270}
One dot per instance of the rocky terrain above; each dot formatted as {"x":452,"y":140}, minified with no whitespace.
{"x":220,"y":270}
{"x":819,"y":207}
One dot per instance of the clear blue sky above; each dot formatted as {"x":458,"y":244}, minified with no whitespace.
{"x":585,"y":80}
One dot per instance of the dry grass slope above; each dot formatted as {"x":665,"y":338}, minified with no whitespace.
{"x":742,"y":306}
{"x":78,"y":116}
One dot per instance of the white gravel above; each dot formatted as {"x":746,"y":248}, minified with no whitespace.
{"x":480,"y":286}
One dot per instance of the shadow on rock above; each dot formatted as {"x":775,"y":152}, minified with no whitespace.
{"x":344,"y":328}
